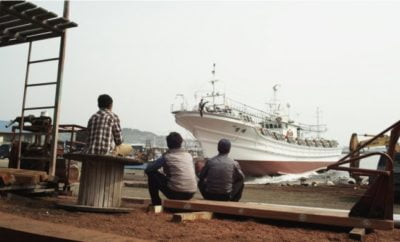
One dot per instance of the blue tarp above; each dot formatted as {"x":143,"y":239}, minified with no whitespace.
{"x":3,"y":128}
{"x":137,"y":167}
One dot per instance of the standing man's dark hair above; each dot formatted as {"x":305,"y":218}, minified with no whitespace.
{"x":104,"y":101}
{"x":174,"y":140}
{"x":224,"y":146}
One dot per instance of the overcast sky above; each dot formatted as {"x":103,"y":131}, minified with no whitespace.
{"x":340,"y":56}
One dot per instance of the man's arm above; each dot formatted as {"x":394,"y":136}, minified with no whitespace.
{"x":203,"y":172}
{"x":237,"y":173}
{"x":155,"y":165}
{"x":89,"y":130}
{"x":116,"y":131}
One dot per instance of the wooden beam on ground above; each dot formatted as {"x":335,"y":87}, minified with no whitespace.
{"x":21,"y":187}
{"x":84,"y":208}
{"x":21,"y":176}
{"x":357,"y":234}
{"x":16,"y":228}
{"x":333,"y":217}
{"x":137,"y":200}
{"x":180,"y":217}
{"x":155,"y":209}
{"x":6,"y":179}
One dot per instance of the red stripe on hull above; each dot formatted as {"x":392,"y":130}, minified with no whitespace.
{"x":262,"y":168}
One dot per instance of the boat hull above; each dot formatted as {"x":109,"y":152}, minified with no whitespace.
{"x":261,"y":168}
{"x":257,"y":154}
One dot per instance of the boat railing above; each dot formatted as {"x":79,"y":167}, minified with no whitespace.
{"x":238,"y":110}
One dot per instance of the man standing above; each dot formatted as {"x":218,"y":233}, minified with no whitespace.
{"x":104,"y":128}
{"x":221,"y":178}
{"x":179,"y":181}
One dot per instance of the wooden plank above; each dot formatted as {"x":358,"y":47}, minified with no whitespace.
{"x":180,"y":217}
{"x":6,"y":178}
{"x":334,"y":217}
{"x":81,"y":195}
{"x":112,"y":187}
{"x":101,"y":183}
{"x":41,"y":175}
{"x":22,"y":188}
{"x":357,"y":234}
{"x":96,"y":181}
{"x":137,"y":200}
{"x":119,"y":170}
{"x":107,"y":184}
{"x":84,"y":208}
{"x":91,"y":174}
{"x":17,"y":228}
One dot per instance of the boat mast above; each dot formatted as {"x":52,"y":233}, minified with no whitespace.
{"x":318,"y":125}
{"x":213,"y":81}
{"x":275,"y":103}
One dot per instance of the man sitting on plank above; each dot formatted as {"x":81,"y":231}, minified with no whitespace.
{"x":221,"y":178}
{"x":104,"y":131}
{"x":179,"y":181}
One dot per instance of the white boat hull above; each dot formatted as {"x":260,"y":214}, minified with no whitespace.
{"x":257,"y":154}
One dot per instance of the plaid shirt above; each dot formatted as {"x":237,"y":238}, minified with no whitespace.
{"x":104,"y":129}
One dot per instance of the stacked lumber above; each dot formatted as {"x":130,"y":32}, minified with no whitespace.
{"x":11,"y":176}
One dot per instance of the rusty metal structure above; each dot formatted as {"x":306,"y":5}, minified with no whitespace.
{"x":378,"y":200}
{"x":24,"y":22}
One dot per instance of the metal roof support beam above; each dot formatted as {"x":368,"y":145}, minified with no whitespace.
{"x":54,"y":142}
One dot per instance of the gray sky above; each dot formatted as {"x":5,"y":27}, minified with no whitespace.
{"x":337,"y":55}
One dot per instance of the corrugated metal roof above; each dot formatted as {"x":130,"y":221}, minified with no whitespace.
{"x":22,"y":22}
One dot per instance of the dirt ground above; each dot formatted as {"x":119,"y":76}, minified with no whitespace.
{"x":142,"y":225}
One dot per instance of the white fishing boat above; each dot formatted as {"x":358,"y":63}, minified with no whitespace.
{"x":263,"y":142}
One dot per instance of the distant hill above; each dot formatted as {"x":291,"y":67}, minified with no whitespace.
{"x":135,"y":136}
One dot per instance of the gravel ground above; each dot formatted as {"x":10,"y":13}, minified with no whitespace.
{"x":142,"y":225}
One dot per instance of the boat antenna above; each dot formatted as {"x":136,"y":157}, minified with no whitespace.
{"x":274,"y":105}
{"x":275,"y":88}
{"x":318,"y":125}
{"x":213,"y":81}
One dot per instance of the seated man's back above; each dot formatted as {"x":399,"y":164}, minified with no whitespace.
{"x":221,"y":178}
{"x":219,"y":174}
{"x":104,"y":128}
{"x":179,"y":178}
{"x":179,"y":170}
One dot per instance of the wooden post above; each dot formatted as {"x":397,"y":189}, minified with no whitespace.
{"x":358,"y":234}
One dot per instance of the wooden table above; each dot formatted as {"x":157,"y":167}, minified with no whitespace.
{"x":100,"y":182}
